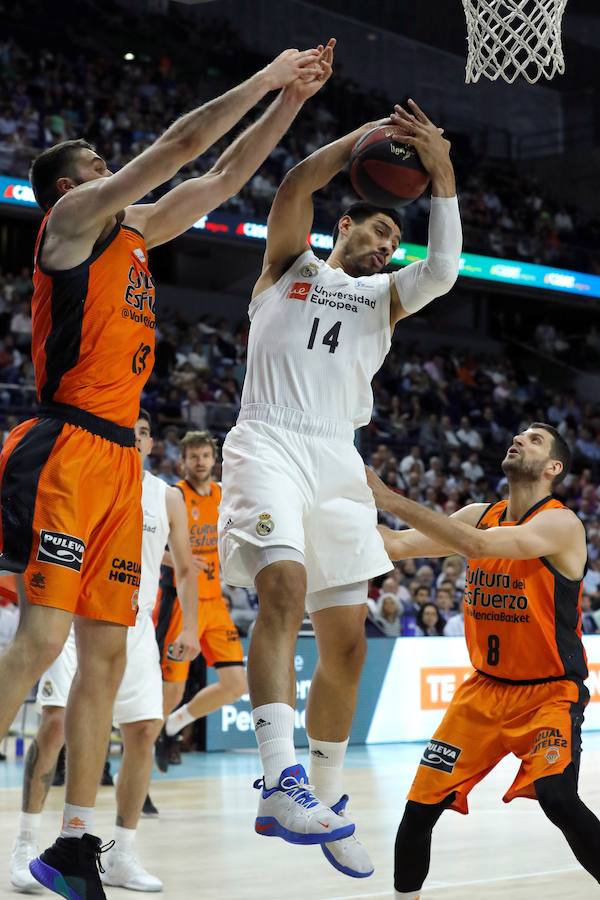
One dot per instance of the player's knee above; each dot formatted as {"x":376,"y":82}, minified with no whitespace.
{"x":236,"y":685}
{"x":419,"y":818}
{"x":51,"y":733}
{"x":282,"y":593}
{"x":140,"y":736}
{"x":37,"y":651}
{"x":557,"y":796}
{"x":345,"y":656}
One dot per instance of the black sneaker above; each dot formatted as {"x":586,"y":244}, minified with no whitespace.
{"x":161,"y":751}
{"x":149,"y":809}
{"x":70,"y":867}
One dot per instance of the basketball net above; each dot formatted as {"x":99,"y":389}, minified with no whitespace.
{"x":508,"y":38}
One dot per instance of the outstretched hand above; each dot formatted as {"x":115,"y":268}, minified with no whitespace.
{"x":311,"y":80}
{"x":423,"y":135}
{"x":290,"y":65}
{"x":381,"y":493}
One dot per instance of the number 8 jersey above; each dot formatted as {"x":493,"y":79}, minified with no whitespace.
{"x":317,"y":338}
{"x":522,"y":616}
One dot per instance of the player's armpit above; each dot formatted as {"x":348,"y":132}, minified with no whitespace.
{"x":550,"y":532}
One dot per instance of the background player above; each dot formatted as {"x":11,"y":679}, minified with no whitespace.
{"x":93,"y":340}
{"x":297,"y":518}
{"x":138,"y":706}
{"x":526,"y":561}
{"x":219,"y":638}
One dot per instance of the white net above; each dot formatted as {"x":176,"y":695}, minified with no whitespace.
{"x":508,"y":38}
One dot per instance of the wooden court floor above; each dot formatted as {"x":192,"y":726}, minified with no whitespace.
{"x":202,"y":846}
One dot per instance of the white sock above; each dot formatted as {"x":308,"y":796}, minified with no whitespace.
{"x":124,"y":838}
{"x":412,"y":895}
{"x":178,"y":720}
{"x":29,"y":826}
{"x":327,"y":769}
{"x":77,"y":821}
{"x":274,"y":728}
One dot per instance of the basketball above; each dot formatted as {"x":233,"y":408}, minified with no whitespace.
{"x":384,"y":170}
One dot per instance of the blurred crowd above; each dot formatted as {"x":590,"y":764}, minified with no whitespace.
{"x":121,"y":105}
{"x":442,"y":422}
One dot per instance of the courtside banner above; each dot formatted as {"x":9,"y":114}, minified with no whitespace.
{"x":17,"y":192}
{"x":407,"y":685}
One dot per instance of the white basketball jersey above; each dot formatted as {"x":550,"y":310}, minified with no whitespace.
{"x":317,"y":338}
{"x":154,"y":538}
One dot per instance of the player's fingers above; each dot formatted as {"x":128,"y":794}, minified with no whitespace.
{"x":418,"y":112}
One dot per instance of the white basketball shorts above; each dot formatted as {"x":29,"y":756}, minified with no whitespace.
{"x":139,"y":698}
{"x":297,"y":481}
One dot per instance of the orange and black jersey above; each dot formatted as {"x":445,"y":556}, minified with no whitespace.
{"x":203,"y":515}
{"x":523,"y":617}
{"x":93,"y":328}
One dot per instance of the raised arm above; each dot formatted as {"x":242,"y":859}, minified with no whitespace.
{"x":177,"y":211}
{"x":411,"y":544}
{"x":416,"y":285}
{"x":551,"y":533}
{"x":85,"y":206}
{"x":186,"y":645}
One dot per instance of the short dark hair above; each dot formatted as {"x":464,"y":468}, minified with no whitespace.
{"x":361,"y":211}
{"x":145,"y":416}
{"x":55,"y":162}
{"x":560,"y":450}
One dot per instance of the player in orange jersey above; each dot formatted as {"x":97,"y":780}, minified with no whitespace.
{"x":522,"y":603}
{"x":219,"y":639}
{"x":70,"y":483}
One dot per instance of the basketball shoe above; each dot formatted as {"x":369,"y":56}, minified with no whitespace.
{"x":123,"y":869}
{"x":348,"y":855}
{"x":70,"y":867}
{"x":20,"y":876}
{"x":292,"y":812}
{"x":149,"y":809}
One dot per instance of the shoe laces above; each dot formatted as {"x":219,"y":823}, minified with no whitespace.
{"x":99,"y":850}
{"x":300,"y":792}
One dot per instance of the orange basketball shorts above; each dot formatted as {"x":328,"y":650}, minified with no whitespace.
{"x":487,"y":720}
{"x":71,"y":517}
{"x":219,"y":638}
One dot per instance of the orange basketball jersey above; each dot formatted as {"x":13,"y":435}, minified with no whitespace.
{"x":522,"y":616}
{"x":203,"y":515}
{"x":93,"y":328}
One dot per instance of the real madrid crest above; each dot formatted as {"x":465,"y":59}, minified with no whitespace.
{"x":47,"y":689}
{"x":265,"y":524}
{"x":309,"y":271}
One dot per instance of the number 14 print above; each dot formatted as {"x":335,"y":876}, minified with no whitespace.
{"x":330,"y":338}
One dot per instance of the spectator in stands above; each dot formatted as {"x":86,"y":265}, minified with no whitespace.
{"x":455,"y":626}
{"x":388,"y":615}
{"x":588,"y":621}
{"x":429,"y":621}
{"x":471,"y":468}
{"x":468,"y":436}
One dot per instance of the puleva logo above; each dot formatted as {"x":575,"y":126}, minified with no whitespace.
{"x":61,"y":549}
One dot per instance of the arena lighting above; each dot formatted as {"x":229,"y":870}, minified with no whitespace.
{"x":129,"y":56}
{"x":18,"y":192}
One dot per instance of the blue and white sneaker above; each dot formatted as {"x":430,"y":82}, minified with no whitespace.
{"x":348,"y":855}
{"x":292,"y":812}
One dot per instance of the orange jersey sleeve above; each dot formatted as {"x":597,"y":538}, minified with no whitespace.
{"x":522,"y":617}
{"x":93,"y":328}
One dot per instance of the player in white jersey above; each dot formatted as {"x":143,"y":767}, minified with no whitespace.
{"x":297,"y":518}
{"x":138,"y":706}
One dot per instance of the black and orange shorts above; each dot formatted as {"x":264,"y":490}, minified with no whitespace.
{"x":219,"y":638}
{"x":488,"y":720}
{"x":71,"y":514}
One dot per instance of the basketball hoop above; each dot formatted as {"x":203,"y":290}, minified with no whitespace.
{"x":508,"y":38}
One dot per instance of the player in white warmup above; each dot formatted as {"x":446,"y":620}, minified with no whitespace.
{"x":139,"y":703}
{"x":297,"y":518}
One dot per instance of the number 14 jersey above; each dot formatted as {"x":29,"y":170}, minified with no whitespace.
{"x":317,"y":338}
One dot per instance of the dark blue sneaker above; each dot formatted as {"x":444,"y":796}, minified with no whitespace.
{"x":70,"y":868}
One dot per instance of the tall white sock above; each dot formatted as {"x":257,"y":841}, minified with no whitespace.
{"x":124,"y":838}
{"x":178,"y":720}
{"x":274,"y":729}
{"x":29,"y":826}
{"x":327,"y":769}
{"x":77,"y":821}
